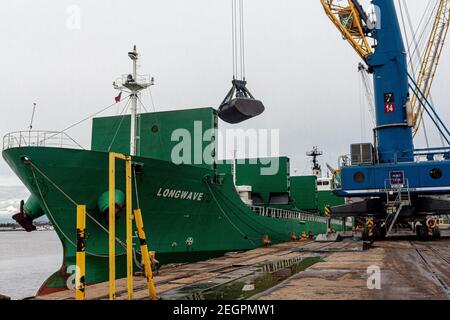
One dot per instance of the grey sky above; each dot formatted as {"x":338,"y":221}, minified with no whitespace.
{"x":296,"y":61}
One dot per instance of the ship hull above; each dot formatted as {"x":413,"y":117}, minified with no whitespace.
{"x":186,"y":216}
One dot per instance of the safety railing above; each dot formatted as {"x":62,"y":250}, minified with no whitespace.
{"x":344,"y":161}
{"x":141,"y":78}
{"x":432,"y":154}
{"x":289,"y":214}
{"x":55,"y":139}
{"x":81,"y":237}
{"x":397,"y":193}
{"x":419,"y":155}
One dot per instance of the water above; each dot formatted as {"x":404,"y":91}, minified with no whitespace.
{"x":10,"y":197}
{"x":27,"y":260}
{"x":243,"y":283}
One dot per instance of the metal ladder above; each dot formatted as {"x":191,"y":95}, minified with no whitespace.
{"x":397,"y":198}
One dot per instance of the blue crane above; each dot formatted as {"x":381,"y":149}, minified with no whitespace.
{"x":390,"y":183}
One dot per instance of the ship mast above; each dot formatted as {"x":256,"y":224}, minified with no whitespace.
{"x":314,"y":153}
{"x":135,"y":84}
{"x":133,"y":136}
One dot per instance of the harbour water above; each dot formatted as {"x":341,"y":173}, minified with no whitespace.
{"x":27,"y":260}
{"x":10,"y":196}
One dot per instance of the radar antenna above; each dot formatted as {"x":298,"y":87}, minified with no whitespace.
{"x":314,"y":153}
{"x":134,"y":84}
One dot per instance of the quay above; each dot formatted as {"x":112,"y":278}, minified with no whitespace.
{"x":302,"y":270}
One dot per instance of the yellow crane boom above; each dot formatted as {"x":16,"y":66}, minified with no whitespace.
{"x":348,"y":19}
{"x":430,"y":60}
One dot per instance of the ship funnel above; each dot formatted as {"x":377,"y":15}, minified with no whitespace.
{"x":239,"y":104}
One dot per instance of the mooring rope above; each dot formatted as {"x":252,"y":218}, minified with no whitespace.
{"x":34,"y":167}
{"x":54,"y":220}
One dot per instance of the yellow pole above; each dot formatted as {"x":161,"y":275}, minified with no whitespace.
{"x":145,"y":255}
{"x":129,"y":227}
{"x":112,"y":233}
{"x":81,"y":253}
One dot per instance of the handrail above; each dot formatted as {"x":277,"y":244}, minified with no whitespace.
{"x":289,"y":214}
{"x":55,"y":139}
{"x":428,"y":153}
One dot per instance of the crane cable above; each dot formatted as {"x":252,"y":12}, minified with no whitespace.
{"x":437,"y":12}
{"x":238,"y":41}
{"x":422,"y":38}
{"x":421,"y":120}
{"x":416,"y":42}
{"x":434,"y":17}
{"x":361,"y":110}
{"x":368,"y":90}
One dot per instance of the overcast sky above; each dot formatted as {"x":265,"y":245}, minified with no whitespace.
{"x":297,"y":63}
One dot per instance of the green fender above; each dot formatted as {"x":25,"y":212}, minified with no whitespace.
{"x":103,"y":201}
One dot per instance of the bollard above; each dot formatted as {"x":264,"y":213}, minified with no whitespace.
{"x":266,"y":241}
{"x":293,"y":237}
{"x":303,"y":236}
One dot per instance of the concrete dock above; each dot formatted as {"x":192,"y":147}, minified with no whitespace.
{"x":408,"y":269}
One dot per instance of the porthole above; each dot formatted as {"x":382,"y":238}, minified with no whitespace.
{"x":155,"y":129}
{"x":359,"y":177}
{"x":436,"y":173}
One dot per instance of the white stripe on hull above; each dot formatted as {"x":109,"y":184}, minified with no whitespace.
{"x":427,"y":189}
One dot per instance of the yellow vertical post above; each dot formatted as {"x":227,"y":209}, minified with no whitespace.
{"x":112,"y":226}
{"x":145,"y":255}
{"x":80,"y":282}
{"x":129,"y":227}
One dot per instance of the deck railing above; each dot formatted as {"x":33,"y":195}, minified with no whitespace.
{"x":289,"y":214}
{"x":53,"y":139}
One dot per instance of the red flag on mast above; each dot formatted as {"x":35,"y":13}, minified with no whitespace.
{"x":119,"y":97}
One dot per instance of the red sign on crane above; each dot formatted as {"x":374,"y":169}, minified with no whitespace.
{"x":389,"y":103}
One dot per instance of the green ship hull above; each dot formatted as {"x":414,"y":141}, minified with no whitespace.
{"x":187,"y":215}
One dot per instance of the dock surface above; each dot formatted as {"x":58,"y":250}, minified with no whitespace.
{"x":408,"y":270}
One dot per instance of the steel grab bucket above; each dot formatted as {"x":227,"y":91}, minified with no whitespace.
{"x":240,"y":109}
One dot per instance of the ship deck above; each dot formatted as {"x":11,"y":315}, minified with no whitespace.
{"x":409,"y":270}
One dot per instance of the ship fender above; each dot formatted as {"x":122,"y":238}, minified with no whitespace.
{"x":103,"y":203}
{"x":29,"y":211}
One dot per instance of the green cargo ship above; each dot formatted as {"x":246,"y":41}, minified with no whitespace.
{"x":191,"y":211}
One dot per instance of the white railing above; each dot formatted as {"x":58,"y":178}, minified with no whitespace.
{"x":289,"y":214}
{"x":53,"y":139}
{"x":419,"y":155}
{"x":142,"y":79}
